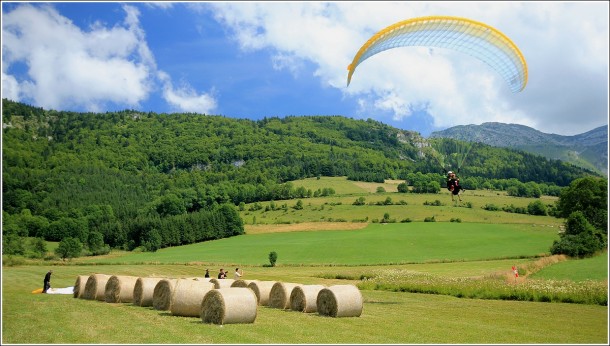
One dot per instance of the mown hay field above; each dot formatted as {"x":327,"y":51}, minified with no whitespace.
{"x":387,"y":317}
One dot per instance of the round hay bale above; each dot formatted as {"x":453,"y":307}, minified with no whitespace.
{"x":119,"y":289}
{"x":262,"y":289}
{"x":222,"y":283}
{"x":95,"y":288}
{"x":187,"y":297}
{"x":241,"y":283}
{"x":304,"y":298}
{"x":79,"y":286}
{"x":162,"y":294}
{"x":279,"y":297}
{"x":143,"y":291}
{"x":229,"y":305}
{"x":340,"y":301}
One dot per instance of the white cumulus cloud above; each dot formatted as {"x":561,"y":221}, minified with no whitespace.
{"x":185,"y":98}
{"x":72,"y":68}
{"x":565,"y":46}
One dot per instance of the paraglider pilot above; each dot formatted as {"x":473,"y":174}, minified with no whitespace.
{"x":453,"y":185}
{"x":47,"y":281}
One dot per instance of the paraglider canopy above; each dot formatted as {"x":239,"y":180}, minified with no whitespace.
{"x":464,"y":35}
{"x":450,"y":154}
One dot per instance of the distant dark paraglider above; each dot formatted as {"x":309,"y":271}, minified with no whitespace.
{"x":464,"y":35}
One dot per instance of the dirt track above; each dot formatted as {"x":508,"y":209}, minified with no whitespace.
{"x":306,"y":226}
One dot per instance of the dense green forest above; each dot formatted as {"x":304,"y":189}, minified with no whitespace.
{"x":153,"y":180}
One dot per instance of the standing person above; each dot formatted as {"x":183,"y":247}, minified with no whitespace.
{"x":516,"y":273}
{"x":207,"y":273}
{"x":453,"y":184}
{"x":46,"y":284}
{"x":238,"y":274}
{"x":221,"y":274}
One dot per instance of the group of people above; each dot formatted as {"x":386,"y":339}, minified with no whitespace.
{"x":222,"y":274}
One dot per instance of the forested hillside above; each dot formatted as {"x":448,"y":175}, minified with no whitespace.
{"x":155,"y":180}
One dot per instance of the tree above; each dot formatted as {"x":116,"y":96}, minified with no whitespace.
{"x":68,"y":227}
{"x":580,"y":238}
{"x":36,"y":225}
{"x":69,"y":248}
{"x":433,"y":187}
{"x":234,"y":225}
{"x":386,"y":218}
{"x":12,"y":244}
{"x":151,"y":240}
{"x":170,"y":205}
{"x":532,"y":190}
{"x":272,"y":258}
{"x":39,"y":247}
{"x":96,"y":244}
{"x":588,"y":195}
{"x":403,"y":188}
{"x":360,"y":201}
{"x":536,"y":208}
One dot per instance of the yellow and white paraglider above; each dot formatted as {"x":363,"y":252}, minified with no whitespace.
{"x":464,"y":35}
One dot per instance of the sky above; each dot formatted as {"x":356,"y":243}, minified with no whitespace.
{"x":275,"y":59}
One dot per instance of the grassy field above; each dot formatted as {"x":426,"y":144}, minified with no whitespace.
{"x":320,"y":244}
{"x":376,"y":244}
{"x":388,"y":317}
{"x":580,"y":270}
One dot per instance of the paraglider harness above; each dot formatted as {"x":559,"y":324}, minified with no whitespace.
{"x":453,"y":183}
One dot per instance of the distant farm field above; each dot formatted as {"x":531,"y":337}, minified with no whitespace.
{"x":340,"y":206}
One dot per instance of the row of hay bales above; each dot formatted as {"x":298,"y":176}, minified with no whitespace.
{"x":220,"y":301}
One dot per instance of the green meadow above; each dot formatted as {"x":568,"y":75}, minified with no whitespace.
{"x":397,"y":243}
{"x":437,"y":282}
{"x":581,"y":270}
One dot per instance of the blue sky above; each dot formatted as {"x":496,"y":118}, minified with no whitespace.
{"x":257,"y":59}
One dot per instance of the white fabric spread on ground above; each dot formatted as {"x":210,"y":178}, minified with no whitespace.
{"x":65,"y":290}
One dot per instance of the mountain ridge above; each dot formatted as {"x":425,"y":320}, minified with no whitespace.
{"x":588,"y":150}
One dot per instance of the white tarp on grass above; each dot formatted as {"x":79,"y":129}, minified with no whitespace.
{"x":65,"y":290}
